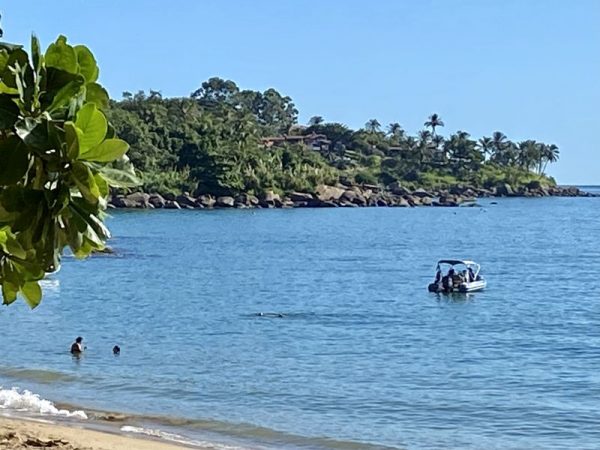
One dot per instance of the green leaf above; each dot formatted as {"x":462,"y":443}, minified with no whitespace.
{"x":108,"y":151}
{"x":93,"y":126}
{"x":36,"y":55}
{"x":62,"y":56}
{"x":13,"y":247}
{"x":17,"y":57}
{"x":87,"y":63}
{"x":9,"y":292}
{"x":15,"y":160}
{"x":120,"y":178}
{"x":72,"y":136}
{"x":9,"y":112}
{"x":3,"y":59}
{"x":32,"y":292}
{"x":64,"y":96}
{"x":34,"y":133}
{"x":102,"y":185}
{"x":84,"y":179}
{"x":94,"y":93}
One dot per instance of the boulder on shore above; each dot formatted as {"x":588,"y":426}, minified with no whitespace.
{"x":328,"y":193}
{"x":504,"y":190}
{"x":225,"y":201}
{"x":157,"y":200}
{"x":172,"y":204}
{"x":207,"y":201}
{"x":135,"y":200}
{"x":186,"y":200}
{"x":300,"y":197}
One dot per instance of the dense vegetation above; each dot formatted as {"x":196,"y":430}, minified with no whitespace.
{"x":210,"y":142}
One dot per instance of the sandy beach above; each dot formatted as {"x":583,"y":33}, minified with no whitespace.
{"x":20,"y":434}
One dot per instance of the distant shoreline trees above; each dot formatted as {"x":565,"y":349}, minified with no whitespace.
{"x":214,"y":142}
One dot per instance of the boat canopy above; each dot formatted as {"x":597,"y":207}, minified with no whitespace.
{"x":455,"y":262}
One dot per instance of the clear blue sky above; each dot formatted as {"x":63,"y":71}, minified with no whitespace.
{"x":529,"y":68}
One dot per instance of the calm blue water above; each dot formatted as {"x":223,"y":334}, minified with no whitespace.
{"x":363,"y":355}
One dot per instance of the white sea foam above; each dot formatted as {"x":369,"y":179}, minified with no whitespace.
{"x":172,"y":437}
{"x":26,"y":401}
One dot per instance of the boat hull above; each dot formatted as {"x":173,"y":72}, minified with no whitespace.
{"x":473,"y":286}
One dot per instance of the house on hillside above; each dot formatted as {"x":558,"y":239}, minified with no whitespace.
{"x":313,"y":141}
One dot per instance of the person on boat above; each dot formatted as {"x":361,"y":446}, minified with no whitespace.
{"x":77,"y":346}
{"x":471,"y":274}
{"x":438,"y":276}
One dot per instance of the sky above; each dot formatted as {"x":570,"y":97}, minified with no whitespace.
{"x":529,"y":68}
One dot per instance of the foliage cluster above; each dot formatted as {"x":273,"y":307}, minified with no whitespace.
{"x":59,"y":156}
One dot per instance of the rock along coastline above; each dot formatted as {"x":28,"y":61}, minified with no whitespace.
{"x":348,"y":196}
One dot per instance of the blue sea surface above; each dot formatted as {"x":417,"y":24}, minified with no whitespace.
{"x":353,"y":351}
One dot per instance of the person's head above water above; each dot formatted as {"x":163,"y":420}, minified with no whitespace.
{"x":116,"y":350}
{"x":79,"y":340}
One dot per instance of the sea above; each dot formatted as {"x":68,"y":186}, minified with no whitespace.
{"x":313,"y":329}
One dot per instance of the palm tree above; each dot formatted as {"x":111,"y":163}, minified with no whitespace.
{"x":528,"y":153}
{"x":486,"y":145}
{"x":373,"y":126}
{"x":315,"y":120}
{"x":433,"y":122}
{"x":499,"y":145}
{"x":394,"y":128}
{"x":549,"y":154}
{"x":425,"y":136}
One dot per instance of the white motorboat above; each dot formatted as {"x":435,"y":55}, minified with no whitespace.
{"x":453,"y":275}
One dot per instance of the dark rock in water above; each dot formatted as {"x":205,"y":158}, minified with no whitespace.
{"x":208,"y":201}
{"x":186,"y":201}
{"x":493,"y":203}
{"x":225,"y":202}
{"x":172,"y":204}
{"x":157,"y":200}
{"x":328,"y":205}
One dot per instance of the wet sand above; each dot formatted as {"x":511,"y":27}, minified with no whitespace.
{"x":22,"y":434}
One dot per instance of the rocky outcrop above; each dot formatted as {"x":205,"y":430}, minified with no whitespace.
{"x":345,"y":195}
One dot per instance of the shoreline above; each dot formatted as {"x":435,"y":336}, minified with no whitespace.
{"x":354,"y":196}
{"x":25,"y":433}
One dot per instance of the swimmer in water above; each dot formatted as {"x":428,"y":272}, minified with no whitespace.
{"x":77,"y":347}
